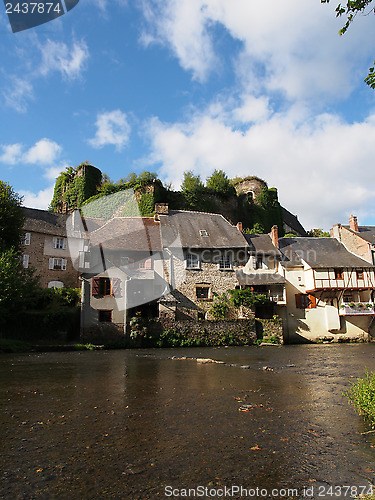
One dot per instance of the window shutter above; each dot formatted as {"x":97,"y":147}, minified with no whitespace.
{"x":116,"y":288}
{"x":312,"y":302}
{"x":65,"y":244}
{"x":50,"y":263}
{"x":148,"y":263}
{"x":54,"y":242}
{"x":25,"y":262}
{"x":63,"y":264}
{"x":298,"y":301}
{"x":95,"y":287}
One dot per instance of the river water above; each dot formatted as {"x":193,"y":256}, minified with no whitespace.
{"x":135,"y":424}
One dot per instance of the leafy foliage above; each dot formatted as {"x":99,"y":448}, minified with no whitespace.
{"x":246,"y":297}
{"x":220,"y":307}
{"x":318,"y":233}
{"x":361,"y":395}
{"x":18,"y":286}
{"x":11,"y":217}
{"x":219,"y":183}
{"x":192,"y":188}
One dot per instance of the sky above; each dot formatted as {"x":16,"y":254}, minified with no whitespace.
{"x":253,"y":88}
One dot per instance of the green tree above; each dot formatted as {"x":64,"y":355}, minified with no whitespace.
{"x":192,"y":188}
{"x":18,"y":286}
{"x":351,"y":10}
{"x":220,"y":184}
{"x":11,"y":217}
{"x":318,"y":233}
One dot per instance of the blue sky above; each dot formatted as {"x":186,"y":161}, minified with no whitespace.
{"x":254,"y":88}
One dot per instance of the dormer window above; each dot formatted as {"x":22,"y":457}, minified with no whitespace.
{"x":203,"y":233}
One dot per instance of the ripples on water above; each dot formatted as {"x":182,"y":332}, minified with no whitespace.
{"x":125,"y":424}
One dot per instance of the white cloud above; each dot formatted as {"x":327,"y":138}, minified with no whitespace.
{"x":69,"y":61}
{"x":322,"y":166}
{"x":12,"y":153}
{"x":40,"y":200}
{"x":44,"y":151}
{"x":112,"y":129}
{"x":291,"y":46}
{"x":18,"y":93}
{"x":183,"y":25}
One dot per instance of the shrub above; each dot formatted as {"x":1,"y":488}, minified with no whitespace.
{"x":361,"y":395}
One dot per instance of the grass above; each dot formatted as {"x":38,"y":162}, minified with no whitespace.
{"x":361,"y":395}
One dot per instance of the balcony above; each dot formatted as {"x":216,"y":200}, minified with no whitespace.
{"x":357,"y":309}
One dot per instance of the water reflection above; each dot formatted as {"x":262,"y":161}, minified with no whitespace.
{"x":124,"y":424}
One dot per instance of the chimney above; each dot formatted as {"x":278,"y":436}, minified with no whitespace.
{"x":275,"y":236}
{"x":353,"y":223}
{"x":239,"y":226}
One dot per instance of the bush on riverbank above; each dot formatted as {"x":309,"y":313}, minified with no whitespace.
{"x":362,"y":396}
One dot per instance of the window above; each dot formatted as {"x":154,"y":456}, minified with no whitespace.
{"x":348,"y":297}
{"x":103,"y":287}
{"x":203,"y":233}
{"x":27,"y":239}
{"x":59,"y":243}
{"x":201,"y":316}
{"x":202,"y":292}
{"x":225,"y":262}
{"x":192,"y":261}
{"x":304,"y":301}
{"x":104,"y":316}
{"x":359,"y":273}
{"x":258,"y":262}
{"x":145,"y":264}
{"x":339,"y":273}
{"x":25,"y":261}
{"x":57,"y":264}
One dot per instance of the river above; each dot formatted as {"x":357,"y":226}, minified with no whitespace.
{"x":133,"y":424}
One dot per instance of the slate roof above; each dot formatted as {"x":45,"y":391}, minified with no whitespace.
{"x":187,"y":226}
{"x":262,"y":244}
{"x":293,"y":222}
{"x":45,"y":222}
{"x":259,"y":278}
{"x":129,"y":233}
{"x":365,"y":232}
{"x":319,"y":253}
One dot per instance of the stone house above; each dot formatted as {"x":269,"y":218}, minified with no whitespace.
{"x":170,"y":265}
{"x":206,"y":252}
{"x":329,"y":290}
{"x":45,"y":248}
{"x":359,"y":240}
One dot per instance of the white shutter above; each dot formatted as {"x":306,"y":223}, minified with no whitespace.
{"x":63,"y":264}
{"x":65,"y":244}
{"x":25,"y":261}
{"x":50,"y":263}
{"x":54,"y":243}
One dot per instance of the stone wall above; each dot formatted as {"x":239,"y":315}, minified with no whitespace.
{"x":353,"y":242}
{"x":39,"y":259}
{"x":219,"y":282}
{"x":267,"y":328}
{"x":210,"y":333}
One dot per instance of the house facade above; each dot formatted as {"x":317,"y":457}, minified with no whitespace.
{"x":359,"y":240}
{"x":329,"y":291}
{"x":45,"y":248}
